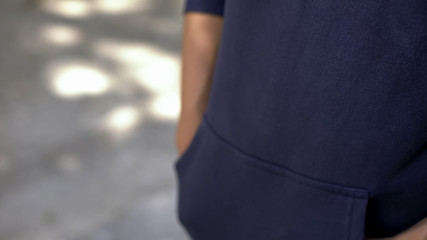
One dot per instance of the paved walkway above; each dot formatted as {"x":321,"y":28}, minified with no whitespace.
{"x":88,"y":106}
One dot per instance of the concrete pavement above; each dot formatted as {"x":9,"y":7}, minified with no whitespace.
{"x":88,"y":107}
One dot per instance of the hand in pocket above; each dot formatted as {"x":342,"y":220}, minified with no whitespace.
{"x":187,"y":125}
{"x":416,"y":232}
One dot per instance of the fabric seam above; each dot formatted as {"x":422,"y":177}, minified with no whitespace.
{"x":350,"y":221}
{"x":291,"y":174}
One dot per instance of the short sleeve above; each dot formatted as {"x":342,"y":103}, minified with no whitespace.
{"x":207,"y":6}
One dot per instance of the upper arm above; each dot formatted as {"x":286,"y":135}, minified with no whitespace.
{"x":215,"y":7}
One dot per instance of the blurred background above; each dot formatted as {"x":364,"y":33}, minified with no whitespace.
{"x":89,"y":99}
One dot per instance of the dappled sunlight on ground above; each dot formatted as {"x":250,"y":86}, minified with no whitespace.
{"x":72,"y":79}
{"x":68,"y":8}
{"x":61,"y":35}
{"x":165,"y":106}
{"x":86,"y":8}
{"x":88,"y":107}
{"x":120,"y":6}
{"x":153,"y":69}
{"x":122,"y":120}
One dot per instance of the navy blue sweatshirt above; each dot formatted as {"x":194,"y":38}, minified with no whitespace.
{"x":316,"y":126}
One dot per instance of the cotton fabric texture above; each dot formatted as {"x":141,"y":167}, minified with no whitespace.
{"x":316,"y":125}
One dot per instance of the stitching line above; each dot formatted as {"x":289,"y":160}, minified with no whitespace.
{"x":350,"y":221}
{"x":285,"y":172}
{"x":318,"y":186}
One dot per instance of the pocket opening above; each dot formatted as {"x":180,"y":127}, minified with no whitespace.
{"x":229,"y":194}
{"x":180,"y":159}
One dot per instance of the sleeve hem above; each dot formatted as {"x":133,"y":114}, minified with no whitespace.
{"x":215,"y":9}
{"x":201,"y":10}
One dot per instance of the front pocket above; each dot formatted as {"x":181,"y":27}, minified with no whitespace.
{"x":195,"y":141}
{"x":227,"y":194}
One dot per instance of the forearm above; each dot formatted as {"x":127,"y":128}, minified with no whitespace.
{"x":200,"y":43}
{"x":201,"y":36}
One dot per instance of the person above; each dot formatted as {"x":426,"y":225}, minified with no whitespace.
{"x":303,"y":120}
